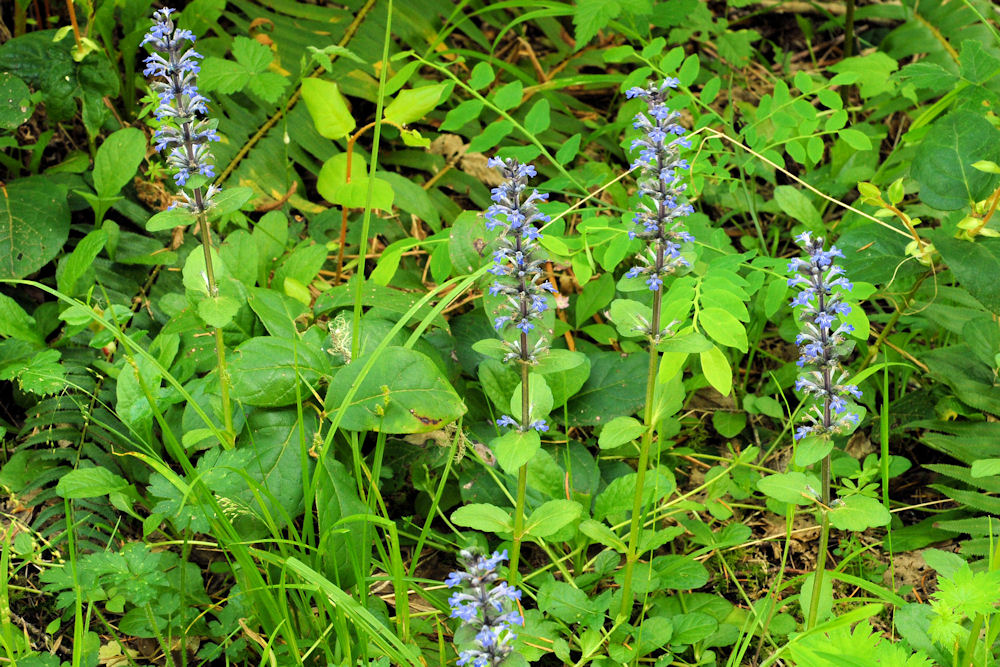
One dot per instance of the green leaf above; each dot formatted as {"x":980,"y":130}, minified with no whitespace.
{"x":251,"y":54}
{"x":976,"y":265}
{"x":599,"y":532}
{"x":797,"y":206}
{"x":118,"y":158}
{"x":977,"y":64}
{"x":484,"y":517}
{"x":942,"y":165}
{"x":404,"y":392}
{"x":80,"y":261}
{"x":856,"y":139}
{"x":224,"y":76}
{"x":717,"y":371}
{"x":729,"y":424}
{"x":218,"y":311}
{"x":872,"y":72}
{"x":228,"y":201}
{"x":630,"y":317}
{"x":811,"y":449}
{"x":986,"y":468}
{"x":302,"y":265}
{"x":565,"y":373}
{"x":596,"y":295}
{"x":859,"y":513}
{"x":464,"y":113}
{"x":333,"y":186}
{"x":616,"y":387}
{"x":680,"y":572}
{"x":89,"y":483}
{"x":774,"y":297}
{"x":34,"y":225}
{"x":569,"y":149}
{"x":482,"y":75}
{"x":539,"y":397}
{"x":692,"y":628}
{"x":538,"y":117}
{"x":170,"y":218}
{"x":508,"y":95}
{"x":328,"y":108}
{"x":16,"y":323}
{"x":789,"y":487}
{"x":413,"y":104}
{"x":266,"y":371}
{"x":619,"y":431}
{"x":551,"y":517}
{"x":513,"y":449}
{"x":491,"y":135}
{"x":723,"y":327}
{"x":276,"y":311}
{"x":17,"y":107}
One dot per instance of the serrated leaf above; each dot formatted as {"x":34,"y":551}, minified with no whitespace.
{"x":251,"y":54}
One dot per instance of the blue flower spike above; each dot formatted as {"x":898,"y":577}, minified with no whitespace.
{"x":485,"y":604}
{"x":659,"y":220}
{"x":174,"y":68}
{"x":822,"y":337}
{"x":517,"y":267}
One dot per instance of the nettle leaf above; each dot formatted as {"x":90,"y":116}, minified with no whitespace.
{"x":251,"y":54}
{"x":591,"y":16}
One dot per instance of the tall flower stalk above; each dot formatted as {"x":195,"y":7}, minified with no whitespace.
{"x":173,"y":68}
{"x":517,"y":266}
{"x":820,"y":349}
{"x":484,"y":605}
{"x":658,"y":222}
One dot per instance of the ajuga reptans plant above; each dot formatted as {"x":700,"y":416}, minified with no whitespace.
{"x":658,"y":222}
{"x":516,"y":267}
{"x":186,"y":134}
{"x":485,"y":605}
{"x":821,"y":346}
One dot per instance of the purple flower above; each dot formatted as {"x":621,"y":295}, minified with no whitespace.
{"x":185,"y":134}
{"x":821,"y":336}
{"x":516,"y":262}
{"x":659,"y":221}
{"x":486,"y":605}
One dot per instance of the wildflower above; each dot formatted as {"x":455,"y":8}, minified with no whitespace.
{"x":517,"y":265}
{"x":183,"y":132}
{"x":486,"y":606}
{"x":659,"y":222}
{"x":821,"y":338}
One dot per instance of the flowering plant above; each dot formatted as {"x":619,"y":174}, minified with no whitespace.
{"x":820,"y":342}
{"x":661,"y":181}
{"x":183,"y":132}
{"x":482,"y":604}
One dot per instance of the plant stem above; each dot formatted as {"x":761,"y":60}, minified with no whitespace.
{"x":824,"y":539}
{"x":353,"y":139}
{"x":522,"y":473}
{"x":220,"y":348}
{"x":849,"y":29}
{"x":638,"y":516}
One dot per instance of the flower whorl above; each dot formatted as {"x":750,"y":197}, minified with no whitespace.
{"x":661,"y":165}
{"x":183,"y":132}
{"x":819,"y":341}
{"x":482,"y":604}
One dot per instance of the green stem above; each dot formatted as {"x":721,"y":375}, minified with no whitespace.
{"x":849,"y":30}
{"x":824,"y":539}
{"x":638,"y":516}
{"x":522,"y":473}
{"x":220,"y":347}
